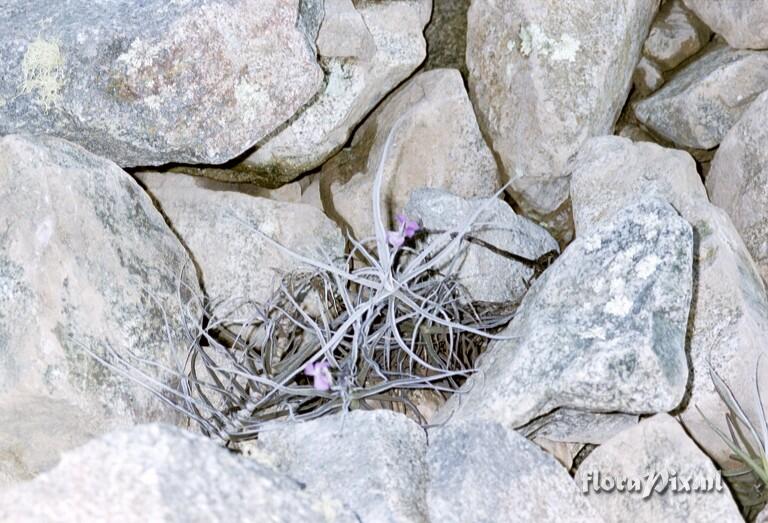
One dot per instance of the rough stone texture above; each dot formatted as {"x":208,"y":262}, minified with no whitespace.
{"x":233,"y":260}
{"x":743,"y":23}
{"x":603,"y":329}
{"x":487,"y":275}
{"x":85,"y":260}
{"x":546,"y":75}
{"x":675,"y":35}
{"x":34,"y":430}
{"x":160,"y":473}
{"x":447,"y":36}
{"x":647,"y":77}
{"x":373,"y":461}
{"x":366,"y":50}
{"x":154,"y":82}
{"x":578,"y":426}
{"x":738,"y":179}
{"x":481,"y":471}
{"x":729,"y":321}
{"x":437,"y":143}
{"x":656,"y":445}
{"x":702,"y":101}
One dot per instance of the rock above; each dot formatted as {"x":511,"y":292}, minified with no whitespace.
{"x":198,"y":81}
{"x":737,"y":179}
{"x":373,"y":461}
{"x":676,"y":34}
{"x":544,"y":76}
{"x":233,"y":260}
{"x":504,"y":231}
{"x":578,"y":426}
{"x":481,"y":471}
{"x":744,"y":24}
{"x":366,"y":50}
{"x":86,"y":262}
{"x":702,"y":101}
{"x":602,"y":329}
{"x":729,"y":320}
{"x":34,"y":431}
{"x":647,"y":77}
{"x":657,"y":446}
{"x":437,"y":143}
{"x":447,"y":36}
{"x":160,"y":473}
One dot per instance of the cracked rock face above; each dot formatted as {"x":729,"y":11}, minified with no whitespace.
{"x":85,"y":261}
{"x":544,"y":76}
{"x":744,"y":24}
{"x":153,"y":82}
{"x":603,"y":329}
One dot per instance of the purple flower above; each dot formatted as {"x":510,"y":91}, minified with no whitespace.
{"x":407,"y":228}
{"x":321,"y":374}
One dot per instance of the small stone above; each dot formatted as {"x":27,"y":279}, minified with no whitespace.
{"x":705,"y":98}
{"x":743,"y":23}
{"x":647,"y":77}
{"x":676,"y":34}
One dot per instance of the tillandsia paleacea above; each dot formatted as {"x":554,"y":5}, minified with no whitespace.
{"x":362,"y":332}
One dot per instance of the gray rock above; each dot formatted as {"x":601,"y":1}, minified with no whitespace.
{"x":234,"y":262}
{"x":483,"y":472}
{"x":738,"y":179}
{"x":729,"y":321}
{"x":486,"y":274}
{"x":602,"y":330}
{"x":366,"y":50}
{"x":437,"y":144}
{"x":160,"y":473}
{"x":702,"y":101}
{"x":546,"y":75}
{"x":373,"y":461}
{"x":85,"y":261}
{"x":578,"y":426}
{"x":647,"y":77}
{"x":154,"y":82}
{"x":676,"y":34}
{"x":657,"y":445}
{"x":447,"y":36}
{"x":743,"y":23}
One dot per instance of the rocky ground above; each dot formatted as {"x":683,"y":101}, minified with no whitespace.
{"x":383,"y":260}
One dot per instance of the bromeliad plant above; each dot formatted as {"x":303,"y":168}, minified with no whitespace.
{"x":749,"y":443}
{"x":363,"y":332}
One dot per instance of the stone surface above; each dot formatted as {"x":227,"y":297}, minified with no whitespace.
{"x":154,"y":82}
{"x":675,"y":35}
{"x":647,"y":77}
{"x":85,"y":261}
{"x":738,"y":179}
{"x":546,"y":75}
{"x":743,"y":23}
{"x":602,"y":329}
{"x":702,"y":101}
{"x":366,"y":50}
{"x":578,"y":426}
{"x":657,"y":445}
{"x":447,"y":36}
{"x":488,"y":275}
{"x":160,"y":473}
{"x":481,"y":471}
{"x":373,"y":461}
{"x":729,"y":320}
{"x":436,"y":143}
{"x":234,"y":262}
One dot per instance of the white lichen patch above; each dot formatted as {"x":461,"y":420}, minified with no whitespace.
{"x":647,"y":266}
{"x":42,"y":70}
{"x":533,"y":39}
{"x":619,"y":306}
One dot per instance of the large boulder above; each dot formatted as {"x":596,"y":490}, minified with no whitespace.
{"x":218,"y":225}
{"x":373,"y":461}
{"x":160,"y":473}
{"x":482,"y":471}
{"x":654,"y":472}
{"x":702,"y":101}
{"x":729,"y":319}
{"x":546,"y":75}
{"x":153,"y":82}
{"x":743,"y":23}
{"x":602,"y":329}
{"x":366,"y":50}
{"x":435,"y":143}
{"x":738,"y":178}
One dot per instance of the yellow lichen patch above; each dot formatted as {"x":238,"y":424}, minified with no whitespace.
{"x":43,"y":71}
